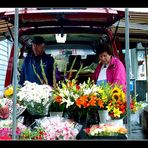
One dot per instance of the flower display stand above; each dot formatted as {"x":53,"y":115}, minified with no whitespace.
{"x":107,"y":137}
{"x":29,"y":119}
{"x":104,"y":116}
{"x":82,"y":135}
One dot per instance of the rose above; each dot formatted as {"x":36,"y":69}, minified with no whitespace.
{"x":4,"y":112}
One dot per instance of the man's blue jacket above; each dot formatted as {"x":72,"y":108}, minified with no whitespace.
{"x":27,"y":72}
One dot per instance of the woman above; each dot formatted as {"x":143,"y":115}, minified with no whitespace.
{"x":110,"y":69}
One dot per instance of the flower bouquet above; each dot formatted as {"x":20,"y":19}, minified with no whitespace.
{"x":106,"y":131}
{"x":36,"y":134}
{"x":52,"y":128}
{"x":8,"y":97}
{"x":4,"y":109}
{"x":117,"y":106}
{"x":6,"y":129}
{"x":80,"y":100}
{"x":36,"y":98}
{"x":104,"y":94}
{"x":19,"y":108}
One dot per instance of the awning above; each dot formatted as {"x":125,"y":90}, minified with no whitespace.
{"x":4,"y":26}
{"x":138,"y":27}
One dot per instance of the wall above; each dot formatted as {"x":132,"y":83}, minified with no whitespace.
{"x":5,"y":47}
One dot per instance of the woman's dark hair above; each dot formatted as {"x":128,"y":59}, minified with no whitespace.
{"x":106,"y":47}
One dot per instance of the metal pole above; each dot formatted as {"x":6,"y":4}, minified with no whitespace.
{"x":127,"y":72}
{"x":15,"y":72}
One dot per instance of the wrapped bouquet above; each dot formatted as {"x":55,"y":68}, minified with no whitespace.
{"x":37,"y":98}
{"x":53,"y":128}
{"x":4,"y":109}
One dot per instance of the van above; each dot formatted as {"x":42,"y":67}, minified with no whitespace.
{"x":67,"y":32}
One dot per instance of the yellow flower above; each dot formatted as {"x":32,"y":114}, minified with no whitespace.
{"x":110,"y":107}
{"x":8,"y":92}
{"x":100,"y":90}
{"x":116,"y":96}
{"x":104,"y":99}
{"x":123,"y":96}
{"x":117,"y":112}
{"x":115,"y":90}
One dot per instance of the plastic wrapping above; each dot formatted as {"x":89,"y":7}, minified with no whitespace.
{"x":58,"y":128}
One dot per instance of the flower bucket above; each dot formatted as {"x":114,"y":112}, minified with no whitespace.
{"x":59,"y":114}
{"x":38,"y":109}
{"x":104,"y":116}
{"x":117,"y":122}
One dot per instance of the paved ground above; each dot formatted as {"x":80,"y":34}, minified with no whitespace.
{"x":137,"y":133}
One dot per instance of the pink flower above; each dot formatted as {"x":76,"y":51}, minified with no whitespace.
{"x":4,"y":112}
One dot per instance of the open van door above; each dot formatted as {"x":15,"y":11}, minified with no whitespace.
{"x":83,"y":26}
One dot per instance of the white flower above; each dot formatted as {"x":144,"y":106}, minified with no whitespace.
{"x":68,"y":102}
{"x":32,"y":93}
{"x":2,"y":102}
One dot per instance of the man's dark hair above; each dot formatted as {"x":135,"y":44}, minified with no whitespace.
{"x":38,"y":40}
{"x":106,"y":47}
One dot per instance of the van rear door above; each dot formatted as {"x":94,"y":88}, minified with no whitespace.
{"x":34,"y":21}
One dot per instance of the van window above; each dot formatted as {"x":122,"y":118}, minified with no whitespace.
{"x":65,"y":57}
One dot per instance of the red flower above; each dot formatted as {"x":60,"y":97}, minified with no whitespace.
{"x":77,"y":86}
{"x":87,"y":130}
{"x":5,"y":138}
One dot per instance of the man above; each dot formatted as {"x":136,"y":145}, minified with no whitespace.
{"x":110,"y":69}
{"x":38,"y":66}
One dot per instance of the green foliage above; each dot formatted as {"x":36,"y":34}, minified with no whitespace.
{"x":56,"y":107}
{"x":44,"y":80}
{"x":36,"y":134}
